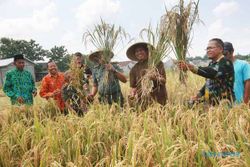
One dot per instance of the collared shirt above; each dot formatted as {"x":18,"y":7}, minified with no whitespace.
{"x":108,"y":84}
{"x":159,"y":92}
{"x":50,"y":84}
{"x":220,"y":80}
{"x":19,"y":84}
{"x":106,"y":81}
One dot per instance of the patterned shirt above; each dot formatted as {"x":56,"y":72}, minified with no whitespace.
{"x":108,"y":84}
{"x":72,"y":96}
{"x":219,"y":82}
{"x":19,"y":84}
{"x":50,"y":84}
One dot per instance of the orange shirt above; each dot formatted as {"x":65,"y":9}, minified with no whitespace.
{"x":50,"y":84}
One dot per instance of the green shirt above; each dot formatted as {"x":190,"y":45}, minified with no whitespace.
{"x":19,"y":84}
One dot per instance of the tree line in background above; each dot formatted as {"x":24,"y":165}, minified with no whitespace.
{"x":34,"y":52}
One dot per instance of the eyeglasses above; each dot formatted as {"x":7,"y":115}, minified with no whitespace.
{"x":210,"y":48}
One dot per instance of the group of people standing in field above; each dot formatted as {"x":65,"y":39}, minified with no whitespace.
{"x":227,"y":79}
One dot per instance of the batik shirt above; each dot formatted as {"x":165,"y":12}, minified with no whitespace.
{"x":50,"y":84}
{"x":219,"y":82}
{"x":108,"y":84}
{"x":19,"y":84}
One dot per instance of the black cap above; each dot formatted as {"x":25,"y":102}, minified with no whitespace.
{"x":228,"y":46}
{"x":18,"y":56}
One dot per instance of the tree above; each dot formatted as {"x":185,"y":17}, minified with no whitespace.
{"x":30,"y":49}
{"x":60,"y":55}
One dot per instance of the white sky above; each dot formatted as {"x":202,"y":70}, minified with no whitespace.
{"x":63,"y":22}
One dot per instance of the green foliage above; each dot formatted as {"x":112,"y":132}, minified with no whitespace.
{"x":60,"y":55}
{"x":31,"y":50}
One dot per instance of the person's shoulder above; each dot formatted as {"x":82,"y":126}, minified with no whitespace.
{"x":11,"y":72}
{"x":226,"y":62}
{"x":27,"y":72}
{"x":241,"y":62}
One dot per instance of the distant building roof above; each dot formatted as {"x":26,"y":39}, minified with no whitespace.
{"x":125,"y":63}
{"x":6,"y":62}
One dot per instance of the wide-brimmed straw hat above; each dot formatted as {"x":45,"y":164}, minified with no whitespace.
{"x":98,"y":54}
{"x":131,"y":50}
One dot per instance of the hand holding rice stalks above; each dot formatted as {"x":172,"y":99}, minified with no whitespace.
{"x":161,"y":49}
{"x":177,"y":24}
{"x":106,"y":38}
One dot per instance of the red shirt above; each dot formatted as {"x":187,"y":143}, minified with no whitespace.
{"x":49,"y":85}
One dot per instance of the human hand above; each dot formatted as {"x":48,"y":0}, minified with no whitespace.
{"x":20,"y":100}
{"x":109,"y":67}
{"x":34,"y":93}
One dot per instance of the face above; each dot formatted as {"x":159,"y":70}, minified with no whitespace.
{"x":213,"y":50}
{"x":141,"y":53}
{"x":78,"y":61}
{"x":20,"y":63}
{"x":52,"y":68}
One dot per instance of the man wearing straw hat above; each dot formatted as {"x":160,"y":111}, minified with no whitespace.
{"x":106,"y":79}
{"x":140,"y":52}
{"x":219,"y":75}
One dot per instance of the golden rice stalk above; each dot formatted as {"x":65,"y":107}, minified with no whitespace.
{"x":105,"y":37}
{"x":161,"y":50}
{"x":178,"y":23}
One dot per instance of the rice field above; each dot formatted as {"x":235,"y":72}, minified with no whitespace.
{"x":110,"y":136}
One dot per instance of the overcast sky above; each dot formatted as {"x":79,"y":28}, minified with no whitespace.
{"x":62,"y":22}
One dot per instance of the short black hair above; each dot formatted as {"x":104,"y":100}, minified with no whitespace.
{"x":219,"y":42}
{"x":18,"y":57}
{"x":228,"y":46}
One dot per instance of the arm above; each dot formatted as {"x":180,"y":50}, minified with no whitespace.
{"x":34,"y":90}
{"x":247,"y":91}
{"x":201,"y":91}
{"x":117,"y":71}
{"x":44,"y":90}
{"x":132,"y":82}
{"x":120,"y":76}
{"x":8,"y":87}
{"x":162,"y":77}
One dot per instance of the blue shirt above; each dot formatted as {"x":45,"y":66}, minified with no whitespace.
{"x":242,"y":73}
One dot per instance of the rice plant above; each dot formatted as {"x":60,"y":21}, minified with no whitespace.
{"x":105,"y":37}
{"x":178,"y":24}
{"x":173,"y":135}
{"x":159,"y":50}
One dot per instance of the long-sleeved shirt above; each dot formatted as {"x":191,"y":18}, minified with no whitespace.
{"x":19,"y":83}
{"x":49,"y":85}
{"x":219,"y":80}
